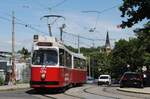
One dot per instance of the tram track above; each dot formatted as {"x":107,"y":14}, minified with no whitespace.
{"x":79,"y":96}
{"x":111,"y":92}
{"x":106,"y":92}
{"x":133,"y":95}
{"x":86,"y":90}
{"x":65,"y":94}
{"x":74,"y":96}
{"x":49,"y":97}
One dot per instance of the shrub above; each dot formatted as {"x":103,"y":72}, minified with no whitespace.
{"x":1,"y":81}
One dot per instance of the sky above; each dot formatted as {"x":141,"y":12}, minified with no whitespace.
{"x":30,"y":12}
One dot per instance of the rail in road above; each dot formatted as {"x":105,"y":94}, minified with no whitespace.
{"x":96,"y":92}
{"x":125,"y":95}
{"x":79,"y":93}
{"x":83,"y":92}
{"x":114,"y":93}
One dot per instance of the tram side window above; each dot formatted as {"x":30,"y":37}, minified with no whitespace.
{"x":68,"y":60}
{"x":76,"y":62}
{"x":61,"y":57}
{"x":82,"y":64}
{"x":79,"y":63}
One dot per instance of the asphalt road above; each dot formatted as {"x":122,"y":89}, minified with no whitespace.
{"x":18,"y":94}
{"x":84,"y":92}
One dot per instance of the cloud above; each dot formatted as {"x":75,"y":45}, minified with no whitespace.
{"x":78,"y":23}
{"x":7,"y":45}
{"x":9,"y":42}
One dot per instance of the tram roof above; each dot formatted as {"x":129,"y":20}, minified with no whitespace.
{"x":56,"y":43}
{"x":78,"y":55}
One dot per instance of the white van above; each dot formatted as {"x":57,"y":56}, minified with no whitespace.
{"x":104,"y":79}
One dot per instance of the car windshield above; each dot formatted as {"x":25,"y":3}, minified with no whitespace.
{"x":104,"y":77}
{"x":132,"y":75}
{"x":45,"y":57}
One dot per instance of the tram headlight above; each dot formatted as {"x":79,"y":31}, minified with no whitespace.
{"x":43,"y":76}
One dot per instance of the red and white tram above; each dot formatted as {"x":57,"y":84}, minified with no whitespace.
{"x":54,"y":66}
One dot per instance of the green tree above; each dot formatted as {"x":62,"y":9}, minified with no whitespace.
{"x":119,"y":58}
{"x":100,"y":63}
{"x":126,"y":53}
{"x":134,"y":11}
{"x":143,"y":35}
{"x":24,"y":53}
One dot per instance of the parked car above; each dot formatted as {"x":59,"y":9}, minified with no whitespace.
{"x":104,"y":79}
{"x":90,"y":80}
{"x":115,"y":81}
{"x":131,"y":79}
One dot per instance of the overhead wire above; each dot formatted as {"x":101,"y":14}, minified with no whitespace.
{"x":17,"y":19}
{"x":104,"y":10}
{"x":23,"y":24}
{"x":35,"y":29}
{"x":58,"y":4}
{"x":4,"y":18}
{"x":100,"y":12}
{"x":91,"y":39}
{"x":50,"y":8}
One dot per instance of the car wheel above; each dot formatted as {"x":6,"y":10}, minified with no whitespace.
{"x":141,"y":86}
{"x":107,"y":83}
{"x":121,"y":86}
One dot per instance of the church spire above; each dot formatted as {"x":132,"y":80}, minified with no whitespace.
{"x":107,"y":44}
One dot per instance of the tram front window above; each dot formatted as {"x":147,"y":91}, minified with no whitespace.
{"x":45,"y":57}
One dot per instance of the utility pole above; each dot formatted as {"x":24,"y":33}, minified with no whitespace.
{"x":13,"y":75}
{"x":78,"y":44}
{"x":93,"y":44}
{"x":89,"y":67}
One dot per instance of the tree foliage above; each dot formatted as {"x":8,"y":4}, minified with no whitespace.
{"x":100,"y":63}
{"x":135,"y":52}
{"x":143,"y":35}
{"x":24,"y":53}
{"x":126,"y":53}
{"x":134,"y":11}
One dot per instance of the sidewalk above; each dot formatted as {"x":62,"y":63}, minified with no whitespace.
{"x":145,"y":90}
{"x":14,"y":87}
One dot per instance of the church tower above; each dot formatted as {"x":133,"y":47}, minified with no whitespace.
{"x":107,"y":44}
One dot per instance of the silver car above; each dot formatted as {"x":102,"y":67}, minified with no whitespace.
{"x":104,"y":79}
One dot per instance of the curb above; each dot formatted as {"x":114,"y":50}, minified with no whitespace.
{"x":125,"y":90}
{"x":14,"y":87}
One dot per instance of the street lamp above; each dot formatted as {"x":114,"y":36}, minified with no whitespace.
{"x":128,"y":67}
{"x":99,"y":69}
